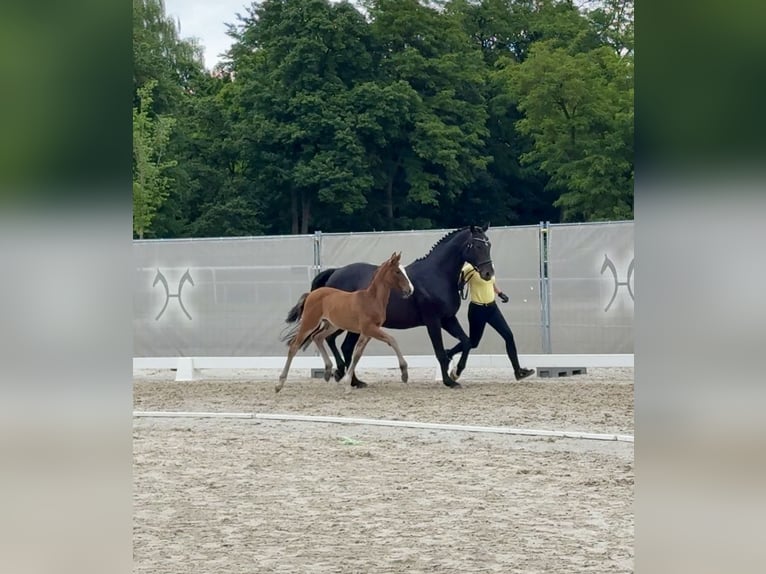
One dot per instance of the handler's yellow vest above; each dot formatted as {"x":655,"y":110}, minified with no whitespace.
{"x":482,"y":291}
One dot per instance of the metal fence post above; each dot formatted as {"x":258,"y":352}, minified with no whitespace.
{"x":317,"y":252}
{"x":545,"y":293}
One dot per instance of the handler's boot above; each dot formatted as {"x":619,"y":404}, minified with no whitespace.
{"x":524,"y":373}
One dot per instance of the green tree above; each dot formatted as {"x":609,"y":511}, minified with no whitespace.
{"x":613,"y":22}
{"x":211,"y":168}
{"x":296,"y":63}
{"x":160,"y":54}
{"x":503,"y":30}
{"x":431,"y":110}
{"x":411,"y":114}
{"x":151,"y":135}
{"x":575,"y":96}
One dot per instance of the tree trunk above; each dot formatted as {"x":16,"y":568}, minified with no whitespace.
{"x":306,"y":213}
{"x":390,"y":198}
{"x":294,"y":211}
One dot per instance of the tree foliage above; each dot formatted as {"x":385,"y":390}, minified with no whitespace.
{"x":150,"y":142}
{"x":395,"y":114}
{"x":580,"y":120}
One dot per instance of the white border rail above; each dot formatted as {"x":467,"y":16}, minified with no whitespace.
{"x":188,"y":368}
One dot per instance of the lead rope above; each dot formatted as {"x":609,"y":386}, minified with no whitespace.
{"x":461,"y":288}
{"x":461,"y":284}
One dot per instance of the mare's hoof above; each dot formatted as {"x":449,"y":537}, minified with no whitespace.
{"x":358,"y":384}
{"x":454,"y":385}
{"x":405,"y":376}
{"x":327,"y":375}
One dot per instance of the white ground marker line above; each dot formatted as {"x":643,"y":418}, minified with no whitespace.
{"x":387,"y":423}
{"x":191,"y":415}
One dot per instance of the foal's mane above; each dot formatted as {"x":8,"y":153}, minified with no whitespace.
{"x":449,"y":235}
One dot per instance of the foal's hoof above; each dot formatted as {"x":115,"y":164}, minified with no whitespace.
{"x":453,"y":375}
{"x":327,"y":374}
{"x":453,"y":385}
{"x":337,"y":375}
{"x":358,"y":384}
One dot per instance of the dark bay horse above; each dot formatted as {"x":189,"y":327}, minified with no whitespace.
{"x":436,"y":300}
{"x":325,"y":311}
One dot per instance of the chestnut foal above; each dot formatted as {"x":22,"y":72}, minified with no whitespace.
{"x":327,"y":310}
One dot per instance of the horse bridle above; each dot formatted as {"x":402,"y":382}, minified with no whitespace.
{"x":480,"y":263}
{"x":461,"y":284}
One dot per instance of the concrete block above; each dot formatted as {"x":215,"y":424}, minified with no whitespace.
{"x":555,"y":372}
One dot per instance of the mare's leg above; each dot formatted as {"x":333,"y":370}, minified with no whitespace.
{"x":453,"y":327}
{"x":477,"y":321}
{"x":435,"y":334}
{"x":341,"y":369}
{"x":358,"y":350}
{"x":319,"y":339}
{"x":348,"y":348}
{"x":381,"y":335}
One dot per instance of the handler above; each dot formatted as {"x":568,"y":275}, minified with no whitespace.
{"x":483,"y":310}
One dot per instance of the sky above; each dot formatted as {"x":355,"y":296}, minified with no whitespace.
{"x":206,"y":20}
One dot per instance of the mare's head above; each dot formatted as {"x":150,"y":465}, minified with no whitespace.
{"x":392,"y":273}
{"x":476,"y":251}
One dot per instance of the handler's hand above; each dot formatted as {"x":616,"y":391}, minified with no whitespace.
{"x":503,"y":297}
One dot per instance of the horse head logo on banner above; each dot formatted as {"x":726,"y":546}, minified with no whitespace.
{"x":160,"y":278}
{"x":608,"y":264}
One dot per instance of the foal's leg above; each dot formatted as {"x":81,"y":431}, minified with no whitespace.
{"x":358,"y":350}
{"x":295,"y":345}
{"x":381,"y":335}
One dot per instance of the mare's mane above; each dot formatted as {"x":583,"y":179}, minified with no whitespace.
{"x":449,"y":235}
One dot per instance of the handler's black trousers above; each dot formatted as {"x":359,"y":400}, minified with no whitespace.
{"x":479,"y":316}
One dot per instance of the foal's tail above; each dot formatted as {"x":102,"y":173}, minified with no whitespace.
{"x":319,"y":281}
{"x":295,"y":313}
{"x":289,"y":334}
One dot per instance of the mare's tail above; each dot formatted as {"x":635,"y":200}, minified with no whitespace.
{"x":321,"y":279}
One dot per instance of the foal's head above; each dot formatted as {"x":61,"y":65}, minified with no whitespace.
{"x":392,"y":273}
